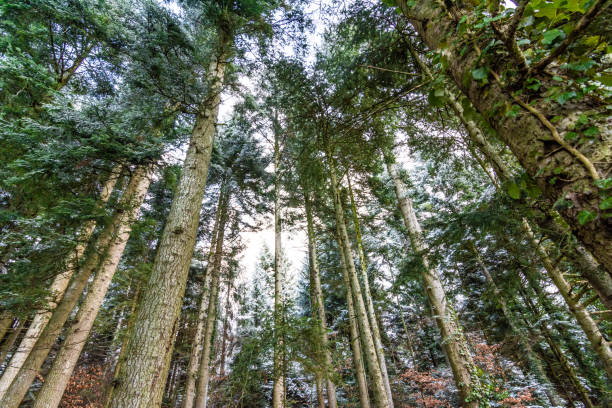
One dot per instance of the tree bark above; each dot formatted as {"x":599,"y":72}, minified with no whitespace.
{"x":375,"y":374}
{"x":6,"y":321}
{"x":143,"y":376}
{"x":226,"y":324}
{"x":66,"y":359}
{"x":57,"y":290}
{"x":278,"y":390}
{"x":10,"y":339}
{"x":557,"y":230}
{"x":319,"y":304}
{"x":380,"y":353}
{"x":362,"y":383}
{"x":454,"y":343}
{"x":196,"y":348}
{"x":528,"y":135}
{"x":211,"y":314}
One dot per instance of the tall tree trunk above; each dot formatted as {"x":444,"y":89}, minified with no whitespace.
{"x":278,"y":390}
{"x":211,"y":314}
{"x":375,"y":374}
{"x":528,"y":135}
{"x":57,"y":290}
{"x":66,"y":359}
{"x":380,"y":353}
{"x":196,"y":348}
{"x":10,"y":339}
{"x":143,"y":376}
{"x":362,"y":383}
{"x":535,"y":364}
{"x":319,"y":304}
{"x":124,"y":344}
{"x":454,"y":343}
{"x":578,"y":309}
{"x":226,"y":325}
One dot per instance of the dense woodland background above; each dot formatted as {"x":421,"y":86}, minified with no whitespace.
{"x":445,"y":163}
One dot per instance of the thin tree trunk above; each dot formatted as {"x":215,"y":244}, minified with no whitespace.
{"x":582,"y":315}
{"x":362,"y":383}
{"x":143,"y":376}
{"x":196,"y":348}
{"x":66,"y":359}
{"x":564,"y":364}
{"x":375,"y":375}
{"x":6,"y":321}
{"x":528,"y":135}
{"x":533,"y":361}
{"x":380,"y":353}
{"x":10,"y":340}
{"x":211,"y":315}
{"x":226,"y":324}
{"x":453,"y":342}
{"x":124,"y":344}
{"x":57,"y":290}
{"x":319,"y":304}
{"x":278,"y":390}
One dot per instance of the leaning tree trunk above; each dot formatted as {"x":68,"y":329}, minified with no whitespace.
{"x":454,"y":343}
{"x":375,"y":374}
{"x":319,"y":304}
{"x":196,"y":348}
{"x":557,"y":229}
{"x":529,"y":135}
{"x":211,"y":314}
{"x":143,"y":376}
{"x":57,"y":290}
{"x":380,"y":353}
{"x":66,"y":359}
{"x":278,"y":390}
{"x":362,"y":383}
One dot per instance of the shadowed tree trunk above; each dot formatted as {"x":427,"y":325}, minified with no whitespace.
{"x":142,"y":378}
{"x":453,"y":342}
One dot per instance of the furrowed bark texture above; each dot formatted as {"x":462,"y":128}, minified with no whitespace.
{"x":211,"y":314}
{"x":454,"y":343}
{"x":57,"y":289}
{"x":196,"y":348}
{"x":362,"y":383}
{"x":65,"y":361}
{"x":375,"y":375}
{"x":278,"y":390}
{"x":380,"y":353}
{"x":526,"y":135}
{"x":142,"y":379}
{"x":319,"y":304}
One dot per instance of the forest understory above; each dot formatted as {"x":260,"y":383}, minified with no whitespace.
{"x":305,"y":203}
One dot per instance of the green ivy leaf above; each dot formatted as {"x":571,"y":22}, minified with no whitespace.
{"x":604,"y":184}
{"x":514,"y":191}
{"x":480,"y":74}
{"x":551,"y":36}
{"x":585,"y":216}
{"x":606,"y":204}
